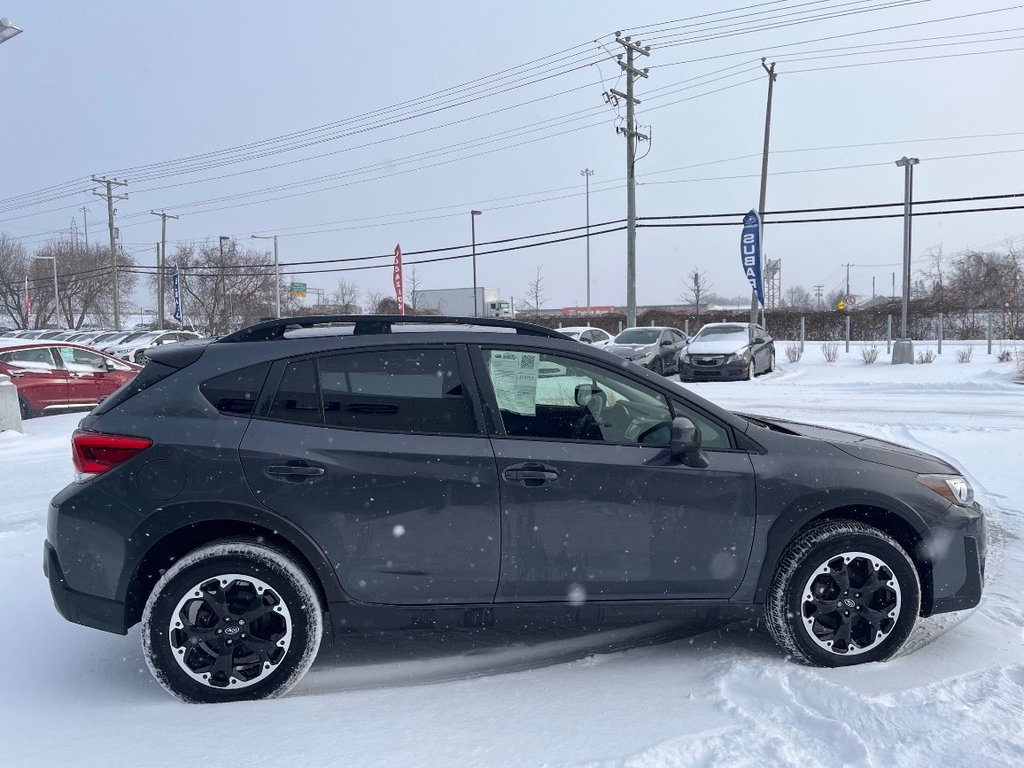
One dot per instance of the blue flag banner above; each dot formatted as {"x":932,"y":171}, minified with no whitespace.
{"x":176,"y":292}
{"x":750,"y":253}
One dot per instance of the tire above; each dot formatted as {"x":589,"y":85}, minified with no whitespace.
{"x":185,"y":639}
{"x":658,"y":366}
{"x":140,"y":357}
{"x":749,"y":375}
{"x":830,"y":562}
{"x":26,"y":412}
{"x":771,"y":362}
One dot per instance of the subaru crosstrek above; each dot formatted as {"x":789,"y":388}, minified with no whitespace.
{"x":310,"y":477}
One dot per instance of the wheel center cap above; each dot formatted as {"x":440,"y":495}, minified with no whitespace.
{"x":848,"y":602}
{"x":232,"y":631}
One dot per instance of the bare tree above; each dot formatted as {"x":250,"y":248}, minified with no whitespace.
{"x":799,"y":297}
{"x":414,"y":286}
{"x":695,"y":287}
{"x":536,"y":292}
{"x":373,"y":300}
{"x":83,"y":282}
{"x":13,"y":271}
{"x":346,"y":297}
{"x":226,"y":289}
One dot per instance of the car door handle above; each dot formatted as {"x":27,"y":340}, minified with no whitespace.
{"x":295,"y":472}
{"x":530,"y":473}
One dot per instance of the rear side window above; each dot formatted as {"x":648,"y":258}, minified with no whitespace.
{"x":414,"y":390}
{"x":297,"y":398}
{"x":235,"y":393}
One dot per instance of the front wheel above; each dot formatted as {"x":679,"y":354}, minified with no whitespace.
{"x":26,"y":412}
{"x":232,"y":620}
{"x":658,"y":366}
{"x":844,"y":593}
{"x":771,"y":362}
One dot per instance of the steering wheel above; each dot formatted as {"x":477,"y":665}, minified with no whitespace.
{"x":591,"y":416}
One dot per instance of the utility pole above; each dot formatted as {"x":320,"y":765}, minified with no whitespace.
{"x":903,"y":349}
{"x":764,"y":173}
{"x":587,"y":173}
{"x":111,"y":197}
{"x":848,"y":277}
{"x":633,"y":137}
{"x":472,"y":233}
{"x":85,"y":223}
{"x":277,"y":274}
{"x":817,"y":294}
{"x":161,"y":259}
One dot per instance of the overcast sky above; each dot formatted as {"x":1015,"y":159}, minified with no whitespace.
{"x":109,"y":85}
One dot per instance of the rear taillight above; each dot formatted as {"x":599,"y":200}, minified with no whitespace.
{"x":93,"y":453}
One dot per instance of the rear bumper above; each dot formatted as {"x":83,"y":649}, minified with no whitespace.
{"x":77,"y":607}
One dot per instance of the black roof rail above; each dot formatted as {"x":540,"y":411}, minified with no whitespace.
{"x":376,"y":324}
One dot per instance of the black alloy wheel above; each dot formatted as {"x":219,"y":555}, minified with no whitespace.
{"x":844,"y":593}
{"x":230,"y":621}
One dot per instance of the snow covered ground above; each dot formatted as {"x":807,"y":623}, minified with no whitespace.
{"x":649,"y":697}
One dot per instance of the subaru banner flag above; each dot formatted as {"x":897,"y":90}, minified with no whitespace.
{"x":176,"y":292}
{"x":750,"y":253}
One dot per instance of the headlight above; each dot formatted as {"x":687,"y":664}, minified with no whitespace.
{"x":736,"y":357}
{"x":952,"y":487}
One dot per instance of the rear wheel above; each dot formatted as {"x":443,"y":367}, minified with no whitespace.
{"x":232,"y":620}
{"x":844,"y":593}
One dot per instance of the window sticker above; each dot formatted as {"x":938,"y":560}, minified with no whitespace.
{"x":514,"y":377}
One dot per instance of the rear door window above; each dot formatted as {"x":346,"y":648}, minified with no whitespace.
{"x":297,"y":397}
{"x":397,"y":390}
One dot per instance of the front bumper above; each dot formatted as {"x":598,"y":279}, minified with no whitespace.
{"x":77,"y":607}
{"x":956,"y":548}
{"x":721,"y":372}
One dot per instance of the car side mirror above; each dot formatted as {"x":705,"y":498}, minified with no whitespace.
{"x":109,"y":366}
{"x":586,"y":341}
{"x":666,"y":342}
{"x":584,"y":392}
{"x":685,"y":443}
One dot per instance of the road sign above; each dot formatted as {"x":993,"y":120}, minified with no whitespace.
{"x":298,"y":290}
{"x":840,"y":305}
{"x":851,"y":300}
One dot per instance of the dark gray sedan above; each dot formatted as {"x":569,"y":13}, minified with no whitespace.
{"x":728,"y":351}
{"x":655,"y":348}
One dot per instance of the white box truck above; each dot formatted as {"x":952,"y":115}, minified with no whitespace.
{"x":459,"y":302}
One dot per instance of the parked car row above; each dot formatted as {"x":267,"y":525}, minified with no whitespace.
{"x":58,"y":371}
{"x":718,"y":352}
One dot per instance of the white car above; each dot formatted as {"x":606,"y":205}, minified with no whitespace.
{"x":593,"y":336}
{"x":135,"y":350}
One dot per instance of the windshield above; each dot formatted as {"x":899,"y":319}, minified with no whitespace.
{"x":639,"y":336}
{"x":732,"y":333}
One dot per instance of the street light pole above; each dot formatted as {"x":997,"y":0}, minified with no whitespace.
{"x":587,"y":173}
{"x":220,"y":276}
{"x":277,"y":273}
{"x":472,"y":229}
{"x":903,"y":349}
{"x":8,"y":30}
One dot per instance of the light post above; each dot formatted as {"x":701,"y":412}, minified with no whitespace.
{"x":8,"y":30}
{"x":587,"y":173}
{"x":56,"y":294}
{"x":277,"y":273}
{"x":472,"y":229}
{"x":220,"y":277}
{"x":903,"y":348}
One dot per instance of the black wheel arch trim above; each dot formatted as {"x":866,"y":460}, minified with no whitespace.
{"x":861,"y":505}
{"x":171,"y":524}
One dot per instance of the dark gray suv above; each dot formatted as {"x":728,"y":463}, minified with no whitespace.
{"x":310,"y":477}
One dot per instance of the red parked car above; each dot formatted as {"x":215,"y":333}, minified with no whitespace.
{"x":55,"y":378}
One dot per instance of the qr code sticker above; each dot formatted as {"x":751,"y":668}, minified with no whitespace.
{"x":527,"y":362}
